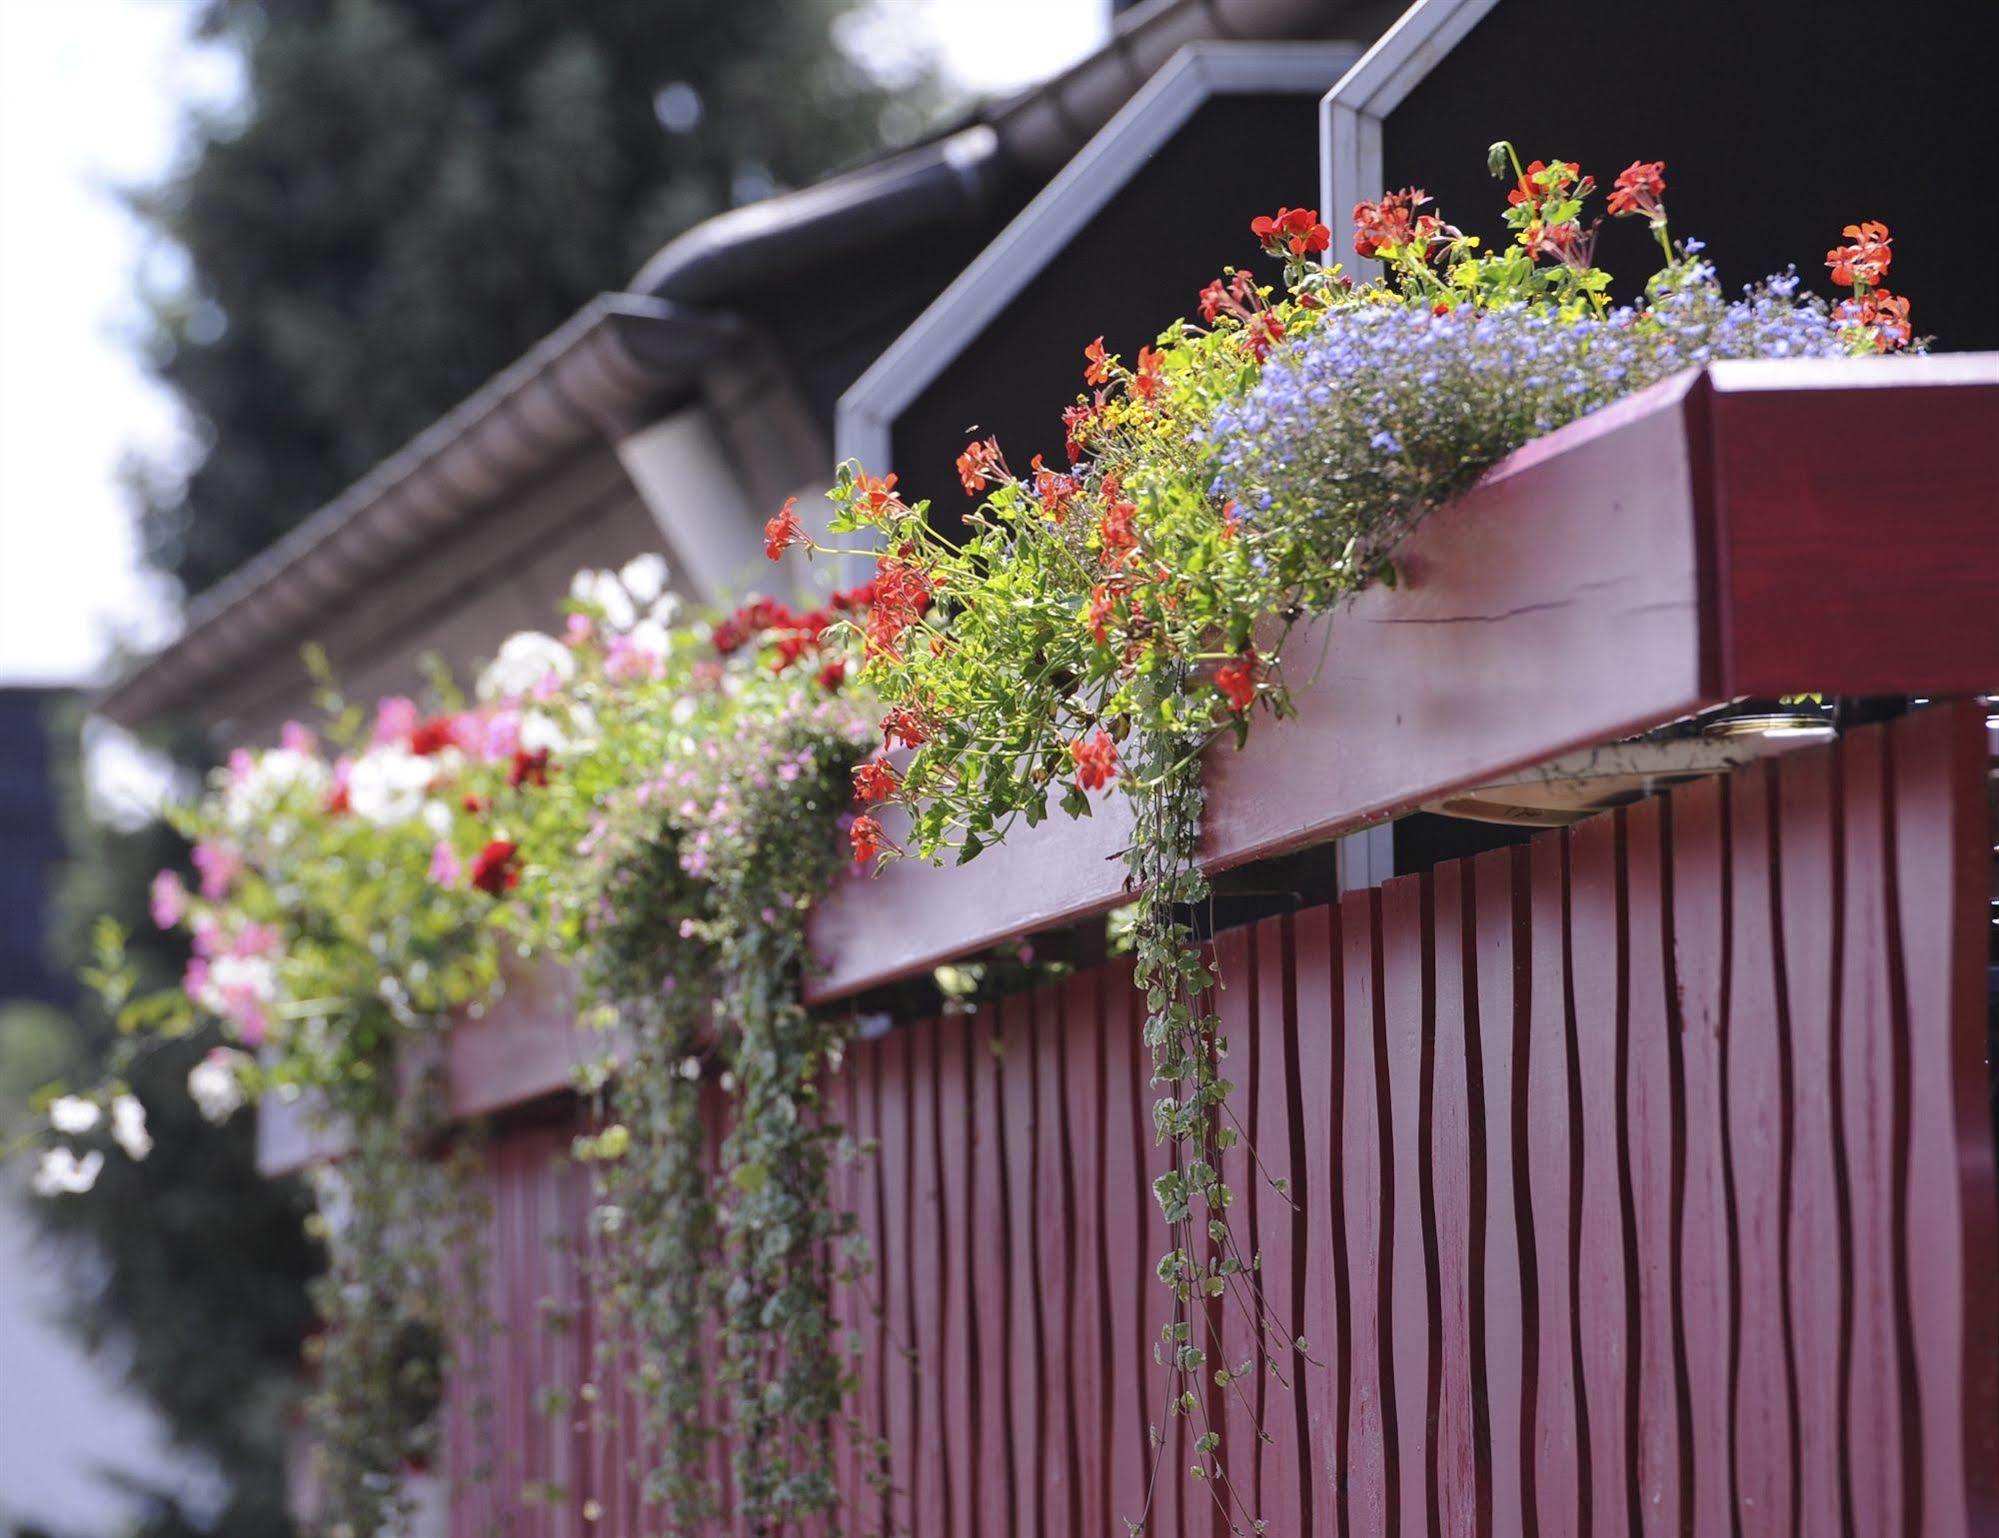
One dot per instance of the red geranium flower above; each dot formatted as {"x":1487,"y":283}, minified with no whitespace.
{"x":474,"y":803}
{"x":1883,"y":313}
{"x":496,"y":869}
{"x":869,"y":840}
{"x":1214,"y":300}
{"x":527,"y":769}
{"x":783,"y":531}
{"x":429,"y":738}
{"x":1146,"y":382}
{"x":1054,"y":489}
{"x":1096,"y":761}
{"x":875,"y":780}
{"x":1074,"y":419}
{"x":832,"y":676}
{"x":1866,"y":260}
{"x":903,"y":725}
{"x":1638,"y":188}
{"x":1294,"y":231}
{"x":874,"y":495}
{"x":1265,"y":331}
{"x":1115,"y":532}
{"x":1103,"y":612}
{"x":1101,"y":363}
{"x":980,"y":463}
{"x":337,"y":802}
{"x":902,"y":593}
{"x":1387,"y":225}
{"x":1237,"y":681}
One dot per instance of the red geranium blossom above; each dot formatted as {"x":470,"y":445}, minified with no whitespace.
{"x":981,"y":462}
{"x":1214,"y":299}
{"x":904,"y":725}
{"x":1054,"y":489}
{"x":528,"y":768}
{"x":1115,"y":531}
{"x":1638,"y":188}
{"x":1103,"y":611}
{"x":869,"y":840}
{"x":1237,"y":681}
{"x":875,"y":780}
{"x":474,"y":803}
{"x":1389,"y":224}
{"x":433,"y":736}
{"x":1146,"y":382}
{"x":902,"y":593}
{"x":1296,"y":231}
{"x":1074,"y":420}
{"x":1866,"y":260}
{"x":1101,"y":363}
{"x":1096,"y":760}
{"x":874,"y":496}
{"x":1883,"y":313}
{"x":783,"y":531}
{"x":497,"y":870}
{"x":832,"y":676}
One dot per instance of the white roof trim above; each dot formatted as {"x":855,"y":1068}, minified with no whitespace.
{"x":1350,"y":117}
{"x":936,"y":338}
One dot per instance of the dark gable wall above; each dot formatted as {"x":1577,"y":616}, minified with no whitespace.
{"x":30,"y":844}
{"x":1140,"y":263}
{"x":1779,"y":122}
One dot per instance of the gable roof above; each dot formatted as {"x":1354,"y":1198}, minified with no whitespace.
{"x":1079,"y":193}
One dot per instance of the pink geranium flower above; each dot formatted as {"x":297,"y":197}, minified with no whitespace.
{"x":444,"y":866}
{"x":395,"y":718}
{"x":169,"y":899}
{"x":219,"y":865}
{"x":296,"y":738}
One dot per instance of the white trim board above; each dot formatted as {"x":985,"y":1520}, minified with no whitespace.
{"x":1042,"y":230}
{"x":1351,"y":114}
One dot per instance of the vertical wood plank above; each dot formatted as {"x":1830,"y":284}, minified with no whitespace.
{"x":1607,"y":1312}
{"x":1461,"y":1471}
{"x":1319,"y":1006}
{"x":1758,"y":1074}
{"x":1697,"y":996}
{"x":1369,"y":1472}
{"x":1878,"y":1398}
{"x":1941,"y":873}
{"x":1560,"y":1496}
{"x":1656,"y":1147}
{"x":1406,"y":1043}
{"x":1502,"y":887}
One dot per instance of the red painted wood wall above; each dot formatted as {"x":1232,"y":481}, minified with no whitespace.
{"x":1643,"y":1183}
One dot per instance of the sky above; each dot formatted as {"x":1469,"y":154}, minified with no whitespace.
{"x":91,"y":93}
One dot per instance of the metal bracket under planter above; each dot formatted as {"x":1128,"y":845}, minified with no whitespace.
{"x":1567,"y":790}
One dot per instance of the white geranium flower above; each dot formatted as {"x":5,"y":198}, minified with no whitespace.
{"x":437,"y":818}
{"x":388,"y":785}
{"x":644,"y":576}
{"x":215,"y":1084}
{"x":524,"y":659}
{"x":128,"y":1127}
{"x":248,"y":798}
{"x":540,"y":730}
{"x":607,"y":594}
{"x":62,"y":1173}
{"x":74,"y":1115}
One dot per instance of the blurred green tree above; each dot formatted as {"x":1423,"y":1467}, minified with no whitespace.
{"x":410,"y":192}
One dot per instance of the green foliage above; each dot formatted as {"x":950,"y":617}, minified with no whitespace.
{"x":412,"y":192}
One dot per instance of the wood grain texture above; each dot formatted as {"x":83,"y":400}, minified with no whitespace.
{"x":1640,"y":1180}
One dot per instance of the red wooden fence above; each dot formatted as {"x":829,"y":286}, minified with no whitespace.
{"x":1642,"y":1183}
